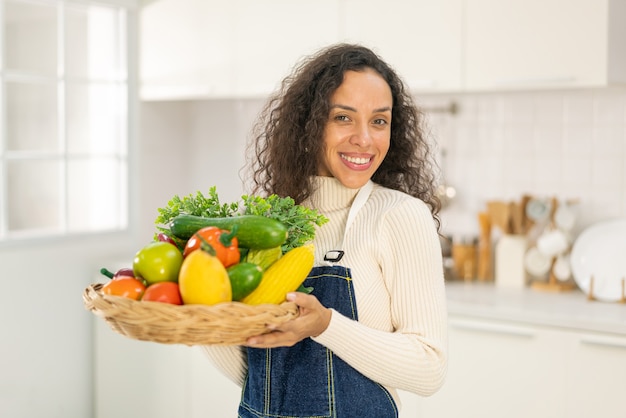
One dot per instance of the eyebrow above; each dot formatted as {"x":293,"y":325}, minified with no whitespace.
{"x":350,"y":108}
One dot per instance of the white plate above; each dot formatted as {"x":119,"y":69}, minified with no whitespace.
{"x":600,"y":251}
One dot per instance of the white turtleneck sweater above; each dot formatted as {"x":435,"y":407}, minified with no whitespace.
{"x":394,"y":254}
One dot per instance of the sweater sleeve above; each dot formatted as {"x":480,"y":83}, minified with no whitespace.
{"x":229,"y":360}
{"x":413,"y":357}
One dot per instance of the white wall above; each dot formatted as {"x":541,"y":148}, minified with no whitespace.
{"x":46,"y":333}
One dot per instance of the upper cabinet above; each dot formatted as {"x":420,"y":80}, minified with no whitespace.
{"x":522,"y":44}
{"x":272,"y":36}
{"x":240,"y":48}
{"x":421,"y":39}
{"x":244,"y":48}
{"x":186,"y":49}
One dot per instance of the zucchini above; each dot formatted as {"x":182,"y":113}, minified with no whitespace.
{"x":253,"y":231}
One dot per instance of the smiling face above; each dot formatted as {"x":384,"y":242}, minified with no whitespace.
{"x":358,"y":130}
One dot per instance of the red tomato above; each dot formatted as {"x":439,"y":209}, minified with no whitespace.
{"x":224,"y":243}
{"x":125,"y":286}
{"x":166,"y":292}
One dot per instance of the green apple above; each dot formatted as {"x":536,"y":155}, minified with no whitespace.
{"x":158,"y":262}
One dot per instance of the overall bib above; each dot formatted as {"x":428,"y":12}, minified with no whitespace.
{"x":308,"y":380}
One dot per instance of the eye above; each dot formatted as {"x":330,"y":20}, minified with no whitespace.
{"x":380,"y":121}
{"x":341,"y":118}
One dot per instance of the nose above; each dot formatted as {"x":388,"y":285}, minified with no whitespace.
{"x":361,"y":135}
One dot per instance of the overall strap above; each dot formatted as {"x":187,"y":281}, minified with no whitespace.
{"x":334,"y":256}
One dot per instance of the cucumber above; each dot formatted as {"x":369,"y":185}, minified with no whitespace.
{"x":253,"y":231}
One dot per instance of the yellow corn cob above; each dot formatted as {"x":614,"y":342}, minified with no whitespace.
{"x":283,"y":276}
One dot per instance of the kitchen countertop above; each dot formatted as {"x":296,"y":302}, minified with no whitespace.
{"x":570,"y":310}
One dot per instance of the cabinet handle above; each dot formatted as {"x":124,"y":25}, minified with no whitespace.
{"x":493,"y":328}
{"x":603,"y":341}
{"x":539,"y":80}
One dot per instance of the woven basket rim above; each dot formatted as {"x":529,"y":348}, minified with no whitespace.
{"x":229,"y":323}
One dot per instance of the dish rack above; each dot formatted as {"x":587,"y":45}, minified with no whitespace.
{"x":590,"y":295}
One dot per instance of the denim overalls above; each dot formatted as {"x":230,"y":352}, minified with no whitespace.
{"x":308,"y":380}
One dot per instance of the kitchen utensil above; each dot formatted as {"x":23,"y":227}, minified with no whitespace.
{"x":484,"y":248}
{"x":536,"y":263}
{"x":527,"y":223}
{"x":538,"y":209}
{"x":517,"y":218}
{"x":509,"y":254}
{"x":565,"y":216}
{"x":552,"y":242}
{"x":599,"y":252}
{"x":500,"y":214}
{"x":464,"y":256}
{"x":561,"y":268}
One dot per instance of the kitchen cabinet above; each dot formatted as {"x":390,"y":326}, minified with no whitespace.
{"x":271,"y":36}
{"x":242,"y":48}
{"x":420,"y":39}
{"x":186,"y":49}
{"x":596,"y":376}
{"x":500,"y":369}
{"x":505,"y":368}
{"x":527,"y":44}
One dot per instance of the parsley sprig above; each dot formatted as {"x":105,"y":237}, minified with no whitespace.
{"x":300,"y":220}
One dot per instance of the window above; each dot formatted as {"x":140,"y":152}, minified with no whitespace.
{"x":64,"y":118}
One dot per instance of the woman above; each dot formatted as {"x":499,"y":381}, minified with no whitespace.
{"x":343,"y":136}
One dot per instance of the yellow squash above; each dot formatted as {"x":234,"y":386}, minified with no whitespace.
{"x":285,"y":275}
{"x":203,"y":280}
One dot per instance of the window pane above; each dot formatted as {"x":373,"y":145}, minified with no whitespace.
{"x":96,"y":194}
{"x":95,"y":115}
{"x":31,"y":37}
{"x":34,"y":195}
{"x":31,"y":117}
{"x":92,"y":42}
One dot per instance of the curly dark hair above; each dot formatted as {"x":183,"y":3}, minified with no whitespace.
{"x":290,"y":130}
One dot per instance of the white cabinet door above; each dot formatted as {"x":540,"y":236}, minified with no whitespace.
{"x":521,"y":44}
{"x":271,"y":36}
{"x":596,"y":377}
{"x":242,"y":48}
{"x":500,"y":369}
{"x":421,"y":39}
{"x":186,"y":49}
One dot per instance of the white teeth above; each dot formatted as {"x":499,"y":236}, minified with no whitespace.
{"x":355,"y":160}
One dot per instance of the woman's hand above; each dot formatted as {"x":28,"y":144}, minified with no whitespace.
{"x":312,"y":321}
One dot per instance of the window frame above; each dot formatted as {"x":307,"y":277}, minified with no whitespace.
{"x":127,"y":156}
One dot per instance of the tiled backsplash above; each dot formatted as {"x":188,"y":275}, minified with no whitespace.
{"x":567,"y":144}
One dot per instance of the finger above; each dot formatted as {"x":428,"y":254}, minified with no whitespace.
{"x":302,"y":299}
{"x":271,"y":340}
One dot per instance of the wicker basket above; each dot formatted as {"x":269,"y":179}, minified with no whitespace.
{"x":223,"y":324}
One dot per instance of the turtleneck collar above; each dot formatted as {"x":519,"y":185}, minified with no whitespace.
{"x":329,"y":194}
